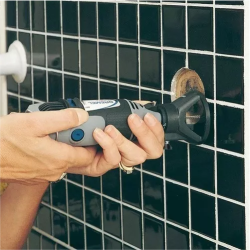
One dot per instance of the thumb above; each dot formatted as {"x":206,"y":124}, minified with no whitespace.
{"x":55,"y":121}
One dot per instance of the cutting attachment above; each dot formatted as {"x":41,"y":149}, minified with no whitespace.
{"x":184,"y":81}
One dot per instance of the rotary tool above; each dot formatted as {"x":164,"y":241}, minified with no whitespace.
{"x":178,"y":118}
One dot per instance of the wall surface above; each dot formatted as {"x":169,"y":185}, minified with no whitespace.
{"x":191,"y":198}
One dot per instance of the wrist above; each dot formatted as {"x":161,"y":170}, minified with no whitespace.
{"x":37,"y":189}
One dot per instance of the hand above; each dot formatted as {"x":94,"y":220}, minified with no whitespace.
{"x":116,"y":148}
{"x":28,"y":155}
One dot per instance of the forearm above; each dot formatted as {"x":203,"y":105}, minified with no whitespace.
{"x":18,"y":208}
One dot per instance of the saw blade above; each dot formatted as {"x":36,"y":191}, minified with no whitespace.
{"x":184,"y":81}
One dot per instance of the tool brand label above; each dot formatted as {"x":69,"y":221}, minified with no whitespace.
{"x":100,"y":104}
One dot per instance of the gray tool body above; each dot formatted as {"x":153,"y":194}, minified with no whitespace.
{"x":115,"y":112}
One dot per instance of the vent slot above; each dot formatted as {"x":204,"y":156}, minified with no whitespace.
{"x":48,"y":106}
{"x":132,"y":104}
{"x":137,"y":105}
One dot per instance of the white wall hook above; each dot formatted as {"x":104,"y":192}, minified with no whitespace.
{"x":14,"y":62}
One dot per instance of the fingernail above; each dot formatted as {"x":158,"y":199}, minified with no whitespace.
{"x":111,"y":131}
{"x":99,"y":133}
{"x":136,"y":120}
{"x":82,"y":115}
{"x":150,"y":119}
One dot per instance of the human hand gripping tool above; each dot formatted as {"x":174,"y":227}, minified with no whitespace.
{"x":175,"y":118}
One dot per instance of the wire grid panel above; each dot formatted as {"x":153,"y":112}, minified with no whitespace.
{"x":191,"y":196}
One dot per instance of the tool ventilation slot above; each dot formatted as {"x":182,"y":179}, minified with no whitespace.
{"x":136,"y":105}
{"x":51,"y":106}
{"x":132,"y":104}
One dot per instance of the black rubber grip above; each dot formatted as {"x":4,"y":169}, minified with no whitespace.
{"x":48,"y":106}
{"x":116,"y":116}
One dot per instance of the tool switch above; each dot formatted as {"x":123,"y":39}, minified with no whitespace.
{"x":77,"y":135}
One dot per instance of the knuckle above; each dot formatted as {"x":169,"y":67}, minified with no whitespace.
{"x":97,"y":172}
{"x":55,"y":174}
{"x":72,"y":116}
{"x":59,"y":167}
{"x":33,"y":124}
{"x":100,"y":173}
{"x":158,"y":153}
{"x":142,"y":158}
{"x":53,"y":177}
{"x":114,"y":161}
{"x":162,"y":138}
{"x":111,"y":144}
{"x":120,"y":141}
{"x":94,"y":173}
{"x":68,"y":159}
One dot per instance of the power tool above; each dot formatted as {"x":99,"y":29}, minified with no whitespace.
{"x":186,"y":118}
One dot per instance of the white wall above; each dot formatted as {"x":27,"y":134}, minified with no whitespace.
{"x":3,"y":86}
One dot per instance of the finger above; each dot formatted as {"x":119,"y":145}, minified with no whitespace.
{"x":80,"y":167}
{"x":131,"y":154}
{"x":63,"y":156}
{"x":54,"y":121}
{"x":91,"y":169}
{"x":111,"y":156}
{"x":103,"y":161}
{"x":75,"y":156}
{"x":145,"y":137}
{"x":156,"y":127}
